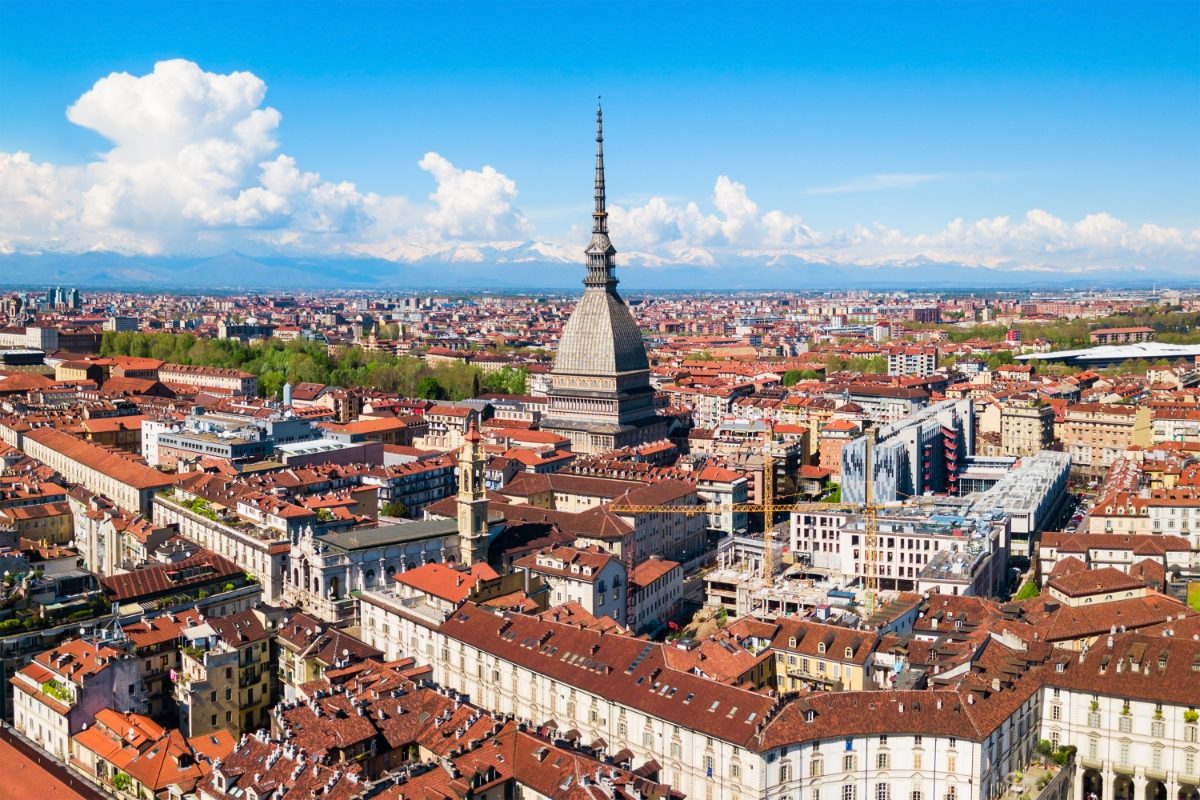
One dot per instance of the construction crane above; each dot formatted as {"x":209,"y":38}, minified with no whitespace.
{"x":770,"y":506}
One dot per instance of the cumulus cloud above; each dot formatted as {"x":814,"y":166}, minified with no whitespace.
{"x":661,"y":232}
{"x":195,"y":166}
{"x":195,"y":163}
{"x":473,"y":204}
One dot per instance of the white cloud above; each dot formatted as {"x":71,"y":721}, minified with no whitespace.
{"x":195,"y":166}
{"x":473,"y":204}
{"x":661,"y":232}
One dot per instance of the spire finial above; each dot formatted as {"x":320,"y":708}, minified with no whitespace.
{"x":600,"y":251}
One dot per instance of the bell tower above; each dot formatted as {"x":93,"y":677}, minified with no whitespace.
{"x":472,"y":500}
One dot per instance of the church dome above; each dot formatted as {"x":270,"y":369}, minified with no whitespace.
{"x":600,"y":338}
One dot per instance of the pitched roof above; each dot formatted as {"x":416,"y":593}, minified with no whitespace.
{"x":118,"y":467}
{"x":202,"y":568}
{"x":444,"y":581}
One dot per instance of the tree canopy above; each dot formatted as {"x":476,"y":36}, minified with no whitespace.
{"x":276,"y":363}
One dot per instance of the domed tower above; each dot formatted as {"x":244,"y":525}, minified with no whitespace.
{"x":601,"y":397}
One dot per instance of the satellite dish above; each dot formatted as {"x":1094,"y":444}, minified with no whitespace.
{"x":345,"y":652}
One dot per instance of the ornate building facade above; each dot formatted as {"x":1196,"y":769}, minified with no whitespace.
{"x":601,"y":397}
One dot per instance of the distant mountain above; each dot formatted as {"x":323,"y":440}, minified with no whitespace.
{"x":530,"y":265}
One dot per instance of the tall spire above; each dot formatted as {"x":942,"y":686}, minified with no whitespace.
{"x":600,"y":215}
{"x":600,"y":251}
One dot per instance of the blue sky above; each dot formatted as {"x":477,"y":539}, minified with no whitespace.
{"x":890,"y":117}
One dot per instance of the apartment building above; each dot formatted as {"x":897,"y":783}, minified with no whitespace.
{"x":1128,"y":705}
{"x":215,"y":379}
{"x":1126,"y":552}
{"x":808,"y":655}
{"x":912,"y":361}
{"x":61,"y":691}
{"x":132,"y":756}
{"x":656,"y":594}
{"x":711,"y":739}
{"x":225,"y":680}
{"x":130,"y":484}
{"x":921,"y":452}
{"x":1121,"y":335}
{"x":262,"y":552}
{"x":591,"y":577}
{"x":1095,"y":435}
{"x":1026,"y":425}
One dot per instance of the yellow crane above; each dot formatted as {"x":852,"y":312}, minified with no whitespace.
{"x":770,"y":506}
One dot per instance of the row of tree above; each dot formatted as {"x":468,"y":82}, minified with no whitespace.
{"x":1172,"y":326}
{"x":299,"y":361}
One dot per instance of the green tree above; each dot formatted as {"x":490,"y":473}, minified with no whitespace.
{"x":270,"y":384}
{"x":1028,"y":591}
{"x":428,"y":388}
{"x":394,"y":509}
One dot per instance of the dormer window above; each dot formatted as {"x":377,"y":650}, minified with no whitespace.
{"x":849,"y":653}
{"x":791,"y":641}
{"x":820,"y":647}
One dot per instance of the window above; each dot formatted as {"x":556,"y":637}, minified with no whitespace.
{"x":815,"y":794}
{"x":785,"y":772}
{"x":882,"y":761}
{"x":816,"y":768}
{"x":1093,"y":747}
{"x":1189,"y":763}
{"x":952,"y":763}
{"x":1056,"y":711}
{"x":1156,"y":728}
{"x":676,"y":750}
{"x":849,"y":791}
{"x":1124,"y":753}
{"x":1094,"y":719}
{"x":1156,"y":757}
{"x":1126,"y":723}
{"x":917,"y":741}
{"x":917,"y":759}
{"x":1189,"y":733}
{"x":848,"y":763}
{"x":708,"y":765}
{"x":735,"y":771}
{"x":883,"y":791}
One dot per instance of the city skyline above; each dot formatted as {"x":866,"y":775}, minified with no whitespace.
{"x":179,"y":145}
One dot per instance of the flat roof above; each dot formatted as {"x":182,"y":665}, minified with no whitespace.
{"x":364,"y":539}
{"x":1117,"y":352}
